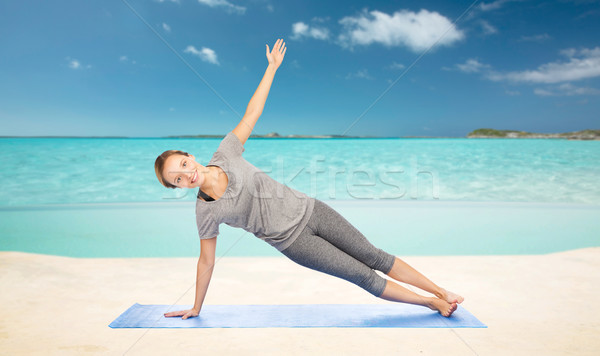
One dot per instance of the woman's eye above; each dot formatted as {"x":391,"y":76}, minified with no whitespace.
{"x":184,"y":163}
{"x":178,"y":179}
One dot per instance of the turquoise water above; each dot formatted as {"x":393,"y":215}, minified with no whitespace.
{"x":79,"y":170}
{"x":100,"y":197}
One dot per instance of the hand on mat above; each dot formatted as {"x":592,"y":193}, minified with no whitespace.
{"x":184,"y":314}
{"x":277,"y":54}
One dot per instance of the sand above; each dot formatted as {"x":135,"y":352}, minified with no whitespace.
{"x":532,"y":304}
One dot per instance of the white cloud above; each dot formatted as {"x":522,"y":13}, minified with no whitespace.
{"x":494,"y":5}
{"x":320,"y":19}
{"x":206,"y":54}
{"x":224,"y":3}
{"x":472,"y":66}
{"x":535,"y":38}
{"x":415,"y":30}
{"x":175,"y":1}
{"x":569,"y":52}
{"x":582,"y":64}
{"x":362,"y":74}
{"x":126,"y":59}
{"x":270,"y":8}
{"x":300,"y":29}
{"x":396,"y":65}
{"x":566,"y":89}
{"x":76,"y":64}
{"x":513,"y":92}
{"x":166,"y":27}
{"x":491,"y":6}
{"x":487,"y":28}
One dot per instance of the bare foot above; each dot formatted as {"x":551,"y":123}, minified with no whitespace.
{"x":451,"y":297}
{"x":443,"y":307}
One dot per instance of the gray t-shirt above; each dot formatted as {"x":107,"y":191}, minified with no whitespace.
{"x":253,"y":201}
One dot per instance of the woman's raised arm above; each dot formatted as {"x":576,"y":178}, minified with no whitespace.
{"x":257,"y":102}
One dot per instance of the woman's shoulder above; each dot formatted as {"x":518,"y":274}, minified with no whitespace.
{"x":231,"y":146}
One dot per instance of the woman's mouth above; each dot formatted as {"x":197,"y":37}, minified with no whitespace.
{"x":195,"y":177}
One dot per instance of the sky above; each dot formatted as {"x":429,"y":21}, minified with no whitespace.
{"x":150,"y":68}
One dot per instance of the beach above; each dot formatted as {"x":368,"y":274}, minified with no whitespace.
{"x":532,"y":304}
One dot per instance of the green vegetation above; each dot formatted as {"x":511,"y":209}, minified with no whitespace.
{"x":595,"y":133}
{"x":576,"y":135}
{"x":494,"y":133}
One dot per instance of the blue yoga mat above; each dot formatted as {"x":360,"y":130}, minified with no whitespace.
{"x":296,"y":316}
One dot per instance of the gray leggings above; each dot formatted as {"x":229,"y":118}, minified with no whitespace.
{"x":330,"y":244}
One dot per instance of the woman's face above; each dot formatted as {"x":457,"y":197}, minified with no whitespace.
{"x":183,"y":171}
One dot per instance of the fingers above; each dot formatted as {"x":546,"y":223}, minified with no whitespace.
{"x":190,"y":314}
{"x":279,"y":45}
{"x":175,"y":313}
{"x":283,"y":53}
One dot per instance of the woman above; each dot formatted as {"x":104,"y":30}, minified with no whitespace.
{"x":305,"y":229}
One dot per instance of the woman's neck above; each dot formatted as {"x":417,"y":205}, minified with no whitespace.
{"x":211,"y":180}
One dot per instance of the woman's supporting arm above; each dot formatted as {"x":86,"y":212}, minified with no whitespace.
{"x":257,"y":102}
{"x":205,"y":267}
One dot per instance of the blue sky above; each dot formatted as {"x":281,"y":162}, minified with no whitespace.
{"x":94,"y":68}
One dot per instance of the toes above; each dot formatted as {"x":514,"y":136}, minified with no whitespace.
{"x":451,"y":310}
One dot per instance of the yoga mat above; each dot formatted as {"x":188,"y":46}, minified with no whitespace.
{"x":296,"y":316}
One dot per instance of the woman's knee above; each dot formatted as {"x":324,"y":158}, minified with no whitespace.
{"x":380,"y":260}
{"x":374,"y":284}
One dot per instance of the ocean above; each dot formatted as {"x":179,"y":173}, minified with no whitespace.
{"x":102,"y":170}
{"x":99,"y":197}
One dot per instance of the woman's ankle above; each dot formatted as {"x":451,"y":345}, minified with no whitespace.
{"x":440,"y":293}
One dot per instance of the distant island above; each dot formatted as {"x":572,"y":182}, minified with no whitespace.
{"x":275,"y":135}
{"x":479,"y":133}
{"x":576,"y":135}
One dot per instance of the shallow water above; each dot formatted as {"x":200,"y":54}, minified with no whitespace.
{"x":398,"y":227}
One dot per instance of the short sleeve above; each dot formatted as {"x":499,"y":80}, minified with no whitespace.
{"x":207,"y":226}
{"x":231,"y":146}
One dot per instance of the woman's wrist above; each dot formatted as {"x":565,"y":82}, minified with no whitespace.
{"x":272,"y":67}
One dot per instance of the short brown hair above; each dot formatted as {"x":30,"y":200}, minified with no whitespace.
{"x":159,"y":165}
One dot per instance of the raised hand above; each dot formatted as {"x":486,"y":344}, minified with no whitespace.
{"x":275,"y":57}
